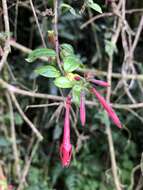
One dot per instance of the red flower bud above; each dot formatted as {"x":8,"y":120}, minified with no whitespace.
{"x":82,"y":109}
{"x":107,"y":107}
{"x":77,"y":78}
{"x":66,"y":147}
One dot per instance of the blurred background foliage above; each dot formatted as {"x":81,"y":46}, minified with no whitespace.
{"x":91,"y":167}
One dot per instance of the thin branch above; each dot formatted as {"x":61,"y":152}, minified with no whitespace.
{"x":31,"y":125}
{"x":37,"y":22}
{"x":7,"y":31}
{"x":132,"y":176}
{"x":43,"y":105}
{"x":140,"y":27}
{"x":108,"y":129}
{"x":56,"y":34}
{"x":131,"y":11}
{"x":16,"y":90}
{"x":27,"y":166}
{"x":13,"y":136}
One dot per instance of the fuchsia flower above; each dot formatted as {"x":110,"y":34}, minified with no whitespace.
{"x":66,"y":147}
{"x":99,"y":82}
{"x":82,"y":109}
{"x":107,"y":107}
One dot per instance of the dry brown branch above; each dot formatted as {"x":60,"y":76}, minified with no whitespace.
{"x":107,"y":15}
{"x":37,"y":22}
{"x":43,"y":105}
{"x":27,"y":166}
{"x":114,"y":167}
{"x":16,"y":90}
{"x":31,"y":125}
{"x":7,"y":31}
{"x":56,"y":34}
{"x":13,"y":137}
{"x":140,"y":28}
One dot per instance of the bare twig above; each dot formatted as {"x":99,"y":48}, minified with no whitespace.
{"x":108,"y":129}
{"x":13,"y":135}
{"x":16,"y":90}
{"x":140,"y":28}
{"x":56,"y":34}
{"x":15,"y":20}
{"x":31,"y":125}
{"x":27,"y":166}
{"x":43,"y":105}
{"x":132,"y":176}
{"x":7,"y":30}
{"x":108,"y":15}
{"x":37,"y":22}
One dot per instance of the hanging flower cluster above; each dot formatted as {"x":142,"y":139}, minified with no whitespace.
{"x":79,"y":86}
{"x":66,"y":147}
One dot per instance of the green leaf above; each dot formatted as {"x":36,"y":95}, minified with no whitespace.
{"x":68,"y":48}
{"x":71,"y":63}
{"x":35,"y":54}
{"x":48,"y":71}
{"x":76,"y":91}
{"x":68,"y":8}
{"x":63,"y":82}
{"x":94,"y":6}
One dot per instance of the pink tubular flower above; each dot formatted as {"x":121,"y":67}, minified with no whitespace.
{"x":107,"y":107}
{"x":82,"y":109}
{"x":66,"y":147}
{"x":99,"y":82}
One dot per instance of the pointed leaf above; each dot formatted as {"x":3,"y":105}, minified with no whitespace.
{"x":68,"y":8}
{"x":68,"y":48}
{"x":71,"y":63}
{"x":48,"y":71}
{"x":35,"y":54}
{"x":94,"y":6}
{"x":63,"y":82}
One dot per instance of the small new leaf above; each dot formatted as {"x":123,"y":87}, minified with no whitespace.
{"x":40,"y":52}
{"x":94,"y":6}
{"x":68,"y":8}
{"x":48,"y":71}
{"x":63,"y":82}
{"x":71,"y":63}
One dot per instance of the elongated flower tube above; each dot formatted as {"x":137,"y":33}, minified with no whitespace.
{"x":66,"y":147}
{"x":107,"y":107}
{"x":82,"y":109}
{"x":99,"y":82}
